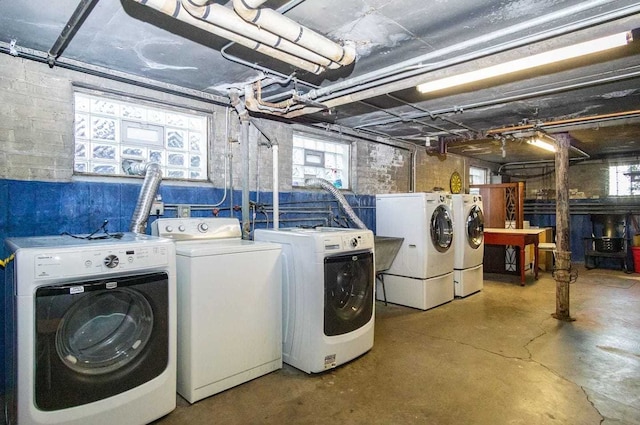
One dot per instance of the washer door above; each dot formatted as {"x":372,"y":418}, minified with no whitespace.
{"x":104,"y":331}
{"x":441,"y":228}
{"x":475,"y":227}
{"x":97,"y":339}
{"x":348,"y":295}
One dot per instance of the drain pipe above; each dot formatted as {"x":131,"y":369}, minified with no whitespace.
{"x":152,"y":176}
{"x":244,"y":146}
{"x":276,"y":189}
{"x":325,"y":184}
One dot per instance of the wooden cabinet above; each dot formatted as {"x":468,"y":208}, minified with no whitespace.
{"x":501,"y":203}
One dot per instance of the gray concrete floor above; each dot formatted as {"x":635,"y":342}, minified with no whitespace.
{"x":495,"y":357}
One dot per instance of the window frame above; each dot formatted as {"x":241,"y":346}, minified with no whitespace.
{"x":484,"y":170}
{"x":304,"y":144}
{"x":615,"y":180}
{"x":140,"y":150}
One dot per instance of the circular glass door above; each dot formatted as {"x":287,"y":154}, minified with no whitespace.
{"x":441,"y":228}
{"x":348,"y":294}
{"x":104,"y":331}
{"x":475,"y":227}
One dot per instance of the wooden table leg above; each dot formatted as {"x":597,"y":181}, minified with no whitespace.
{"x":522,"y":255}
{"x":535,"y":259}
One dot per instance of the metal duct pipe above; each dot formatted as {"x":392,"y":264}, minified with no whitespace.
{"x":272,"y":21}
{"x":176,"y":10}
{"x":339,"y":197}
{"x":152,"y":176}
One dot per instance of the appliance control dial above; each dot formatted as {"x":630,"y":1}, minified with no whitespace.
{"x":181,"y":228}
{"x":111,"y":261}
{"x":354,"y":242}
{"x":203,"y":227}
{"x":169,"y":229}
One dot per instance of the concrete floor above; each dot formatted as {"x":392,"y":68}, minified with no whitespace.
{"x":496,"y":357}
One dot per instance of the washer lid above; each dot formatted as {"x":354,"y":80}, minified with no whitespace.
{"x":204,"y":248}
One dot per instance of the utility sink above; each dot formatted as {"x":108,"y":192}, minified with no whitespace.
{"x":385,"y":250}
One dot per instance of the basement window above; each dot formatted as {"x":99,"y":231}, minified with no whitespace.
{"x":478,"y":175}
{"x":624,"y":180}
{"x":318,"y":158}
{"x":110,"y":130}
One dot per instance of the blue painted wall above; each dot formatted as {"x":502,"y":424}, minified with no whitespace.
{"x":32,"y":208}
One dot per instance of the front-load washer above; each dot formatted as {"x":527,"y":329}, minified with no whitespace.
{"x":469,"y":244}
{"x":328,"y":295}
{"x":421,"y":275}
{"x":91,"y":330}
{"x":229,"y":305}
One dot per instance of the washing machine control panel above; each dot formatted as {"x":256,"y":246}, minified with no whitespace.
{"x":197,"y":228}
{"x":352,"y":241}
{"x":70,"y":263}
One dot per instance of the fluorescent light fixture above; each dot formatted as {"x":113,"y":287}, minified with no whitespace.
{"x":542,"y":144}
{"x":546,"y":58}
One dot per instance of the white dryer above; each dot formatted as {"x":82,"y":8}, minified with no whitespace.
{"x":328,"y":295}
{"x":421,"y":275}
{"x":229,"y":305}
{"x":92,"y":330}
{"x":469,"y":244}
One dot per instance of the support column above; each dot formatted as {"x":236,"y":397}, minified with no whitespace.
{"x":562,"y":272}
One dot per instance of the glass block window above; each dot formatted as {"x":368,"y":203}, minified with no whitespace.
{"x":319,"y":158}
{"x":109,"y":131}
{"x":478,"y":175}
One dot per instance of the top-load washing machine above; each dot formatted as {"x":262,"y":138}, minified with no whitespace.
{"x":229,"y":305}
{"x":469,"y":244}
{"x":91,"y":330}
{"x":328,"y":294}
{"x":421,"y":275}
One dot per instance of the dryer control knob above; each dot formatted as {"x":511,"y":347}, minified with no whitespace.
{"x":111,"y":261}
{"x":203,"y":227}
{"x":354,"y":242}
{"x":181,"y":228}
{"x":169,"y":229}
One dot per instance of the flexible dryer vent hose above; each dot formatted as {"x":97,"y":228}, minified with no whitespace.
{"x":152,"y":176}
{"x":325,"y":184}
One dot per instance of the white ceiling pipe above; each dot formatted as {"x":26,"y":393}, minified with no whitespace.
{"x":272,"y":21}
{"x":174,"y":9}
{"x":226,"y":18}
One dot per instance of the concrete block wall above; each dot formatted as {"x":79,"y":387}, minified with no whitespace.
{"x":591,"y":177}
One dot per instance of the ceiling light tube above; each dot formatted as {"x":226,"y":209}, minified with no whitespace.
{"x":542,"y":145}
{"x":529,"y":62}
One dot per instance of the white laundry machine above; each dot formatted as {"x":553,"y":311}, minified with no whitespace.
{"x":91,"y":330}
{"x":229,"y":305}
{"x":328,"y":295}
{"x":421,"y":275}
{"x":469,"y":244}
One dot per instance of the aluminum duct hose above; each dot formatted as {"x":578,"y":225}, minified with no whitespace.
{"x":325,"y":184}
{"x":152,"y":176}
